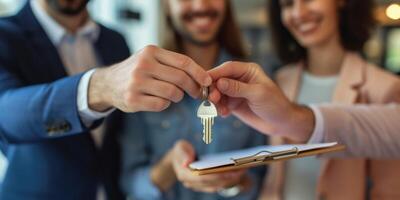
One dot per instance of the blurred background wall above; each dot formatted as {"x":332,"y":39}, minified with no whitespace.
{"x":140,"y":22}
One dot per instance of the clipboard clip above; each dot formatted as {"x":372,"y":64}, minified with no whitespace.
{"x":269,"y":156}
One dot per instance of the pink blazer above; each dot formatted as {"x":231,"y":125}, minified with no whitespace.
{"x":359,"y":82}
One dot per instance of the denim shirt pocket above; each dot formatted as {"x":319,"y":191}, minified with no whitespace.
{"x":165,"y":128}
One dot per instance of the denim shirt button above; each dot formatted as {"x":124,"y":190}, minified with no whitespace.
{"x":165,"y":124}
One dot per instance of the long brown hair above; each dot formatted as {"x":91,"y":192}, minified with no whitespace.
{"x":229,"y":35}
{"x":356,"y":21}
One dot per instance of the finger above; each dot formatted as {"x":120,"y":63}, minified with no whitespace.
{"x":223,"y":107}
{"x":162,"y":89}
{"x":214,"y":185}
{"x":234,"y":88}
{"x":185,"y":64}
{"x":185,"y":153}
{"x":185,"y":176}
{"x":214,"y":180}
{"x":176,"y":77}
{"x":152,"y":103}
{"x":209,"y":190}
{"x":214,"y":95}
{"x":233,"y":103}
{"x":231,"y":69}
{"x":202,"y":189}
{"x":234,"y":174}
{"x":228,"y":180}
{"x":223,"y":110}
{"x":199,"y":186}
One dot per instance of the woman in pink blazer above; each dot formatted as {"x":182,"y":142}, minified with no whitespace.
{"x":318,"y":40}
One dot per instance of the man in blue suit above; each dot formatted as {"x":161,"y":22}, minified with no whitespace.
{"x":50,"y":100}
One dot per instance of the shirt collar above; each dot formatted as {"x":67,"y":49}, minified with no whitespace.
{"x":223,"y":56}
{"x":56,"y":32}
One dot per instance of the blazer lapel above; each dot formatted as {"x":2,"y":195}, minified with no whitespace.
{"x":351,"y":79}
{"x":46,"y":53}
{"x":104,"y":48}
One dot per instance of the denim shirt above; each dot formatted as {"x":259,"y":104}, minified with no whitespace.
{"x":146,"y":137}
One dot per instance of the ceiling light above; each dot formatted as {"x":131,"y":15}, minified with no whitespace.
{"x":393,"y":11}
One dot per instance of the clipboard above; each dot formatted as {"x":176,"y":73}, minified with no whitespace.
{"x":262,"y":156}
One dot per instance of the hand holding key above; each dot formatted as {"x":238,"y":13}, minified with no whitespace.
{"x":206,"y":112}
{"x":150,"y":80}
{"x":244,"y":90}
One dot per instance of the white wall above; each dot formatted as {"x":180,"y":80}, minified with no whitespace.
{"x":137,"y":33}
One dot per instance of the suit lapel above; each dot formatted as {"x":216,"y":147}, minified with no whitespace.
{"x":104,"y":48}
{"x":46,"y":54}
{"x":350,"y":80}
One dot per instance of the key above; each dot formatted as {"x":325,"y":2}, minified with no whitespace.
{"x":206,"y":112}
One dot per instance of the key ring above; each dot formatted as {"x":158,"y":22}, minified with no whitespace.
{"x":204,"y":93}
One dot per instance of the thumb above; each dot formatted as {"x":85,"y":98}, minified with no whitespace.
{"x":185,"y":153}
{"x":233,"y":88}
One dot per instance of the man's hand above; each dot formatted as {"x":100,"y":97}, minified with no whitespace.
{"x":183,"y":154}
{"x":244,"y":90}
{"x":147,"y":81}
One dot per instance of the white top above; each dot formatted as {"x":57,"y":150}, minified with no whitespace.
{"x":302,"y":174}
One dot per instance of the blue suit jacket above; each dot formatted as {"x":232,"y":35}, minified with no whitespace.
{"x":50,"y":153}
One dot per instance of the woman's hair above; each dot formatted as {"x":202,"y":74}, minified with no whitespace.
{"x":229,"y":35}
{"x":356,"y":21}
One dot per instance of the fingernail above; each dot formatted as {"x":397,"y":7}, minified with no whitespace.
{"x":223,"y":84}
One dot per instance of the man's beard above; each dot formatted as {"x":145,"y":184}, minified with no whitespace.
{"x":55,"y":5}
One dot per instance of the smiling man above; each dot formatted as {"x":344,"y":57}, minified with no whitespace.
{"x":165,"y":143}
{"x":51,"y":99}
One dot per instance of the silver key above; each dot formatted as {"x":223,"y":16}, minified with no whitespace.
{"x":206,"y":112}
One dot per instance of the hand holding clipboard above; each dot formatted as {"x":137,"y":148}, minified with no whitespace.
{"x":256,"y":156}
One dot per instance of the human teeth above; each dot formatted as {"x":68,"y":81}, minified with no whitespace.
{"x":202,"y":20}
{"x":306,"y":27}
